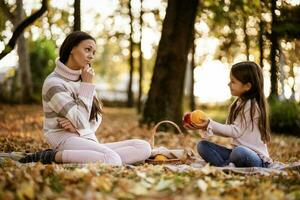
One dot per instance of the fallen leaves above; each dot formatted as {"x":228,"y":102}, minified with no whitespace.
{"x":202,"y":185}
{"x":21,"y":130}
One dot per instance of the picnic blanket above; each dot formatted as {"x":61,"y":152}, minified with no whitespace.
{"x":198,"y":164}
{"x":274,"y":168}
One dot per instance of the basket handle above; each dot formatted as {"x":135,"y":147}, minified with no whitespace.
{"x":153,"y":131}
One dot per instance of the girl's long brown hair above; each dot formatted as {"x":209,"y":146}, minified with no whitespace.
{"x":250,"y":72}
{"x":72,"y":40}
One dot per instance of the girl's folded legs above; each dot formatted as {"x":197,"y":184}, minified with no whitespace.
{"x":214,"y":154}
{"x":220,"y":156}
{"x":244,"y":157}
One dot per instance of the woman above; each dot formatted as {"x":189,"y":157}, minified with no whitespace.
{"x":73,"y":113}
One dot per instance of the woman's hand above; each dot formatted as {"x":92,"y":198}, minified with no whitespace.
{"x":87,"y":74}
{"x":66,"y":125}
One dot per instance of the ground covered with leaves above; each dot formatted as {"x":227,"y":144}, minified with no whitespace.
{"x":21,"y":130}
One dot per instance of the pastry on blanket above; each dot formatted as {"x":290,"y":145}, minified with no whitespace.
{"x":160,"y":157}
{"x":169,"y":153}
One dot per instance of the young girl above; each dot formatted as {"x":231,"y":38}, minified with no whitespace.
{"x":73,"y":113}
{"x":247,"y":122}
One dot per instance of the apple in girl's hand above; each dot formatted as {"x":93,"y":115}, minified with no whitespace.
{"x":186,"y":118}
{"x":198,"y":117}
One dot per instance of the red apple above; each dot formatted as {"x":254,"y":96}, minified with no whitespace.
{"x":186,"y":118}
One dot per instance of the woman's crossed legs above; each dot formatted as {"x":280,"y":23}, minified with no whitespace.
{"x":81,"y":150}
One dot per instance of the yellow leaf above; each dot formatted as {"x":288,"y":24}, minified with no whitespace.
{"x":139,"y":189}
{"x":26,"y":191}
{"x":202,"y":185}
{"x":103,"y":183}
{"x":164,"y":184}
{"x":207,"y":169}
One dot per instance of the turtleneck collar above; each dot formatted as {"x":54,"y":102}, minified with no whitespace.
{"x":66,"y":72}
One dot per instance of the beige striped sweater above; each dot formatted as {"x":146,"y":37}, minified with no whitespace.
{"x":65,"y":95}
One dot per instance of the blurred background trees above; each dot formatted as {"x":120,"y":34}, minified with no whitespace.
{"x":161,"y":71}
{"x":16,"y":15}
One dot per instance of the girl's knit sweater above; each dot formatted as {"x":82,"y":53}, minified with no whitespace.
{"x":66,"y":96}
{"x":242,"y":132}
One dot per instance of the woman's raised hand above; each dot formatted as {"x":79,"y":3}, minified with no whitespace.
{"x":87,"y":74}
{"x":66,"y":125}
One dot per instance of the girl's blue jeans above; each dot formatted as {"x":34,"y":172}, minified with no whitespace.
{"x":220,"y":156}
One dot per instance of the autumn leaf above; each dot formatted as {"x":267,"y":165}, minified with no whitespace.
{"x":26,"y":191}
{"x":202,"y":185}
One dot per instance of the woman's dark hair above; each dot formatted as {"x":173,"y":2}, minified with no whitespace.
{"x":71,"y":41}
{"x":250,"y":72}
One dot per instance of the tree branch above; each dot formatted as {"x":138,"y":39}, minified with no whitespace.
{"x":5,"y":9}
{"x":21,"y":27}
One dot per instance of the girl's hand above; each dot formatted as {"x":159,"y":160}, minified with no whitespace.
{"x":66,"y":125}
{"x":87,"y":74}
{"x":192,"y":126}
{"x":203,"y":125}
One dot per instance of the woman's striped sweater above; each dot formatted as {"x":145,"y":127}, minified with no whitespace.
{"x":65,"y":95}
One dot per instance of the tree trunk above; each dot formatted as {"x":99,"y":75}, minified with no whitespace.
{"x":293,"y":95}
{"x":131,"y":67}
{"x":274,"y":54}
{"x":77,"y":16}
{"x":282,"y":75}
{"x":261,"y":43}
{"x":141,"y":70}
{"x":166,"y":91}
{"x":24,"y":73}
{"x":261,"y":34}
{"x":246,"y":38}
{"x":192,"y":97}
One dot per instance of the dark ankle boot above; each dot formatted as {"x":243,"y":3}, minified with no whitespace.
{"x":45,"y":157}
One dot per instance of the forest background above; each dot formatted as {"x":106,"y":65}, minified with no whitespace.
{"x":155,"y":60}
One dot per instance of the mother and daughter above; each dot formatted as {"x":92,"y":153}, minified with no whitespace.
{"x":73,"y":113}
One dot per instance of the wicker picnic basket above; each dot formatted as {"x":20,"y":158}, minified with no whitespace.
{"x":187,"y":155}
